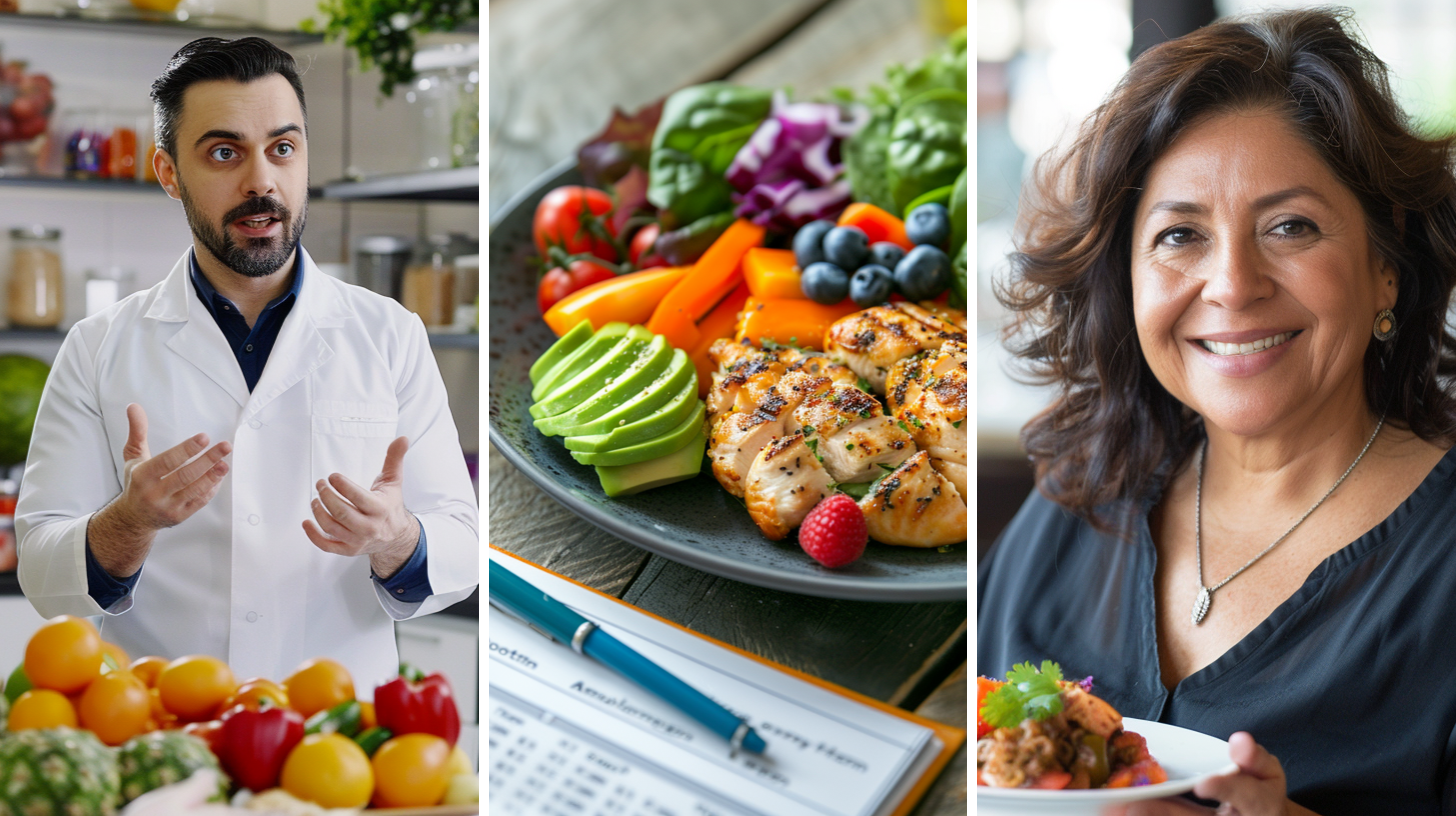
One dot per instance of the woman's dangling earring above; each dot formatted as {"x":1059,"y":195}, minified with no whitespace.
{"x":1384,"y":325}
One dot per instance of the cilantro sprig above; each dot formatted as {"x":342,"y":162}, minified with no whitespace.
{"x":1029,"y":693}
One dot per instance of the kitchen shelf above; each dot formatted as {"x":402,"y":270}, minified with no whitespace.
{"x":32,"y":334}
{"x":82,"y":185}
{"x":455,"y":184}
{"x":126,"y":20}
{"x":467,"y":340}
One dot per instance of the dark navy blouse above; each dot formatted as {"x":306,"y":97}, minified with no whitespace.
{"x":1351,"y":682}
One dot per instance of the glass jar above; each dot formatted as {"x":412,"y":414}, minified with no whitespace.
{"x":37,"y":290}
{"x":429,"y":284}
{"x":444,"y":99}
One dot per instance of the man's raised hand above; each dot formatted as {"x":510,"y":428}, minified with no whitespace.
{"x":349,"y":520}
{"x":157,"y":492}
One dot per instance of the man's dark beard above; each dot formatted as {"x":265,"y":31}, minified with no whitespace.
{"x":257,"y":257}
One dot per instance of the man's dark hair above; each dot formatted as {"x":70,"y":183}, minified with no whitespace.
{"x":1113,"y":431}
{"x":241,"y":60}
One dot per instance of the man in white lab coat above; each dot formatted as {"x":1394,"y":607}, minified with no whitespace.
{"x":249,"y":460}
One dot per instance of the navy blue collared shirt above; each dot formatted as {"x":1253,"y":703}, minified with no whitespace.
{"x":252,"y":345}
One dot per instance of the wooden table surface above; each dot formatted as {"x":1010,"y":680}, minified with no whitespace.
{"x":557,"y":67}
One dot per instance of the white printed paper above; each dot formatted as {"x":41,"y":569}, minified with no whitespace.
{"x":570,"y":736}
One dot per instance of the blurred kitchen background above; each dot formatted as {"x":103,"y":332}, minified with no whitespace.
{"x":395,"y":207}
{"x":1041,"y":67}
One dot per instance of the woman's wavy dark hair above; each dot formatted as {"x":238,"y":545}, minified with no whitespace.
{"x":1113,"y":432}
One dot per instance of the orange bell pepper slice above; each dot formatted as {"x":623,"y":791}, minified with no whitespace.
{"x":772,"y":274}
{"x":790,"y":322}
{"x":715,"y":274}
{"x":877,"y":224}
{"x":630,"y":298}
{"x":720,"y":323}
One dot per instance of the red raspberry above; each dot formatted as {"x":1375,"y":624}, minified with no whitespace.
{"x":834,"y":532}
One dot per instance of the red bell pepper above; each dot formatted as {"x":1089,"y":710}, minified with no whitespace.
{"x":255,"y":742}
{"x":418,"y":705}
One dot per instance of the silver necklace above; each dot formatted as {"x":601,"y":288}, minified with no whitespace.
{"x":1205,"y":593}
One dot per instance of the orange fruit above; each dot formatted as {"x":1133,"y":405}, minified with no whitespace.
{"x":193,"y":687}
{"x":147,"y":668}
{"x":118,"y":656}
{"x":116,"y":707}
{"x":330,"y":770}
{"x":252,"y":691}
{"x":41,"y":708}
{"x":412,"y":770}
{"x":160,"y":715}
{"x":63,"y":655}
{"x":318,"y":684}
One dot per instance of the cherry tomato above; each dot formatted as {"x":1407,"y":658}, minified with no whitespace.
{"x":640,"y":251}
{"x":558,"y":283}
{"x":558,"y":222}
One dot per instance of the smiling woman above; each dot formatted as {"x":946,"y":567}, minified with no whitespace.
{"x":1237,"y":276}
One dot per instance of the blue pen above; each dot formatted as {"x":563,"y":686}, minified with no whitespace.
{"x":550,"y":617}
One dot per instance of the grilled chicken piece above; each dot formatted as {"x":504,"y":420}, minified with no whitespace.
{"x":908,"y":377}
{"x":737,"y":438}
{"x":851,"y":434}
{"x":915,"y":506}
{"x":785,"y":481}
{"x":955,"y":317}
{"x":1089,"y":711}
{"x":954,"y":472}
{"x":873,"y":340}
{"x":745,"y":373}
{"x":936,"y":419}
{"x":743,"y":385}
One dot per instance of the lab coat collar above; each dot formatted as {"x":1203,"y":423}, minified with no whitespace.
{"x":299,"y":350}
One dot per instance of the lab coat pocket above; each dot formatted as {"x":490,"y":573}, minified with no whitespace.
{"x":351,"y":438}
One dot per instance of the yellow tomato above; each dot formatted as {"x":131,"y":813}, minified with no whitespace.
{"x":160,"y":716}
{"x":330,"y":770}
{"x":319,"y":684}
{"x":252,"y":691}
{"x":367,"y":718}
{"x":63,"y":655}
{"x":115,"y":707}
{"x":192,"y":687}
{"x":412,"y":770}
{"x":41,"y":708}
{"x":114,"y":657}
{"x":148,"y":668}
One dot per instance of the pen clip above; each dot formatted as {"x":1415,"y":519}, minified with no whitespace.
{"x":511,"y":613}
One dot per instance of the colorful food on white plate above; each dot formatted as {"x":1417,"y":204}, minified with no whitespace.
{"x":1037,"y":730}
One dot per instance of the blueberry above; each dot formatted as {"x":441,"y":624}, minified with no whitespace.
{"x":928,"y":224}
{"x":823,"y":282}
{"x":846,"y":247}
{"x":809,"y":243}
{"x":923,"y":274}
{"x":871,"y":285}
{"x":885,"y":254}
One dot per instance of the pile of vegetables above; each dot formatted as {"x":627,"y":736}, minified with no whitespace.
{"x":690,"y":206}
{"x":307,"y":735}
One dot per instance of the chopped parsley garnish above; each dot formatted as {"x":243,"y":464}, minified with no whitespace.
{"x":957,"y":423}
{"x":1028,"y":694}
{"x":902,"y":425}
{"x":813,"y":445}
{"x":849,"y":446}
{"x":863,"y":385}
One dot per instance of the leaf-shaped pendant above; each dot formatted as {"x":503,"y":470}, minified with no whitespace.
{"x":1200,"y":605}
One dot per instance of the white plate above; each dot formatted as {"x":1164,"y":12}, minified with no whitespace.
{"x":1188,"y":756}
